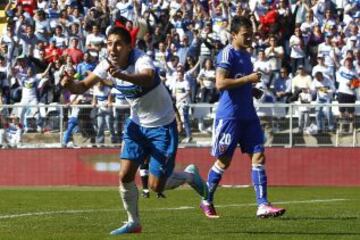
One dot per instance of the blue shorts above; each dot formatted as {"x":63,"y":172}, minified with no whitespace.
{"x":159,"y":144}
{"x":228,"y":133}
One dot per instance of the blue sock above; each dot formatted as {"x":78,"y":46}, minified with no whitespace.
{"x":259,"y":180}
{"x":214,"y":178}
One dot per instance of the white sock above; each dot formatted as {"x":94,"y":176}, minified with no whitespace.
{"x":129,"y":195}
{"x":144,"y":172}
{"x":177,"y":179}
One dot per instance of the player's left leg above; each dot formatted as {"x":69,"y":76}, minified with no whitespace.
{"x":162,"y":163}
{"x":259,"y":179}
{"x":144,"y":175}
{"x":252,"y":142}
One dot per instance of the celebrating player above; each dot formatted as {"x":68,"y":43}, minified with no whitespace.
{"x":236,"y":121}
{"x":150,"y":130}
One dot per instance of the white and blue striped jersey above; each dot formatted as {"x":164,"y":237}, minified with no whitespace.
{"x":150,"y":107}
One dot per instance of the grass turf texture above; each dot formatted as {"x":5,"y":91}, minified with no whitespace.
{"x":91,"y":213}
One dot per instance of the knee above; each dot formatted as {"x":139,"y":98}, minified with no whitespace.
{"x":156,"y":185}
{"x":258,"y":159}
{"x":223,"y":163}
{"x":125,"y":177}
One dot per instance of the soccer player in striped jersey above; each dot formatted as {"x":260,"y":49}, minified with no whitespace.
{"x":236,"y":121}
{"x":150,"y":132}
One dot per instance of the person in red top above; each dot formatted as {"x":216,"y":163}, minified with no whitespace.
{"x":52,"y":52}
{"x":73,"y":51}
{"x":28,"y":5}
{"x":129,"y":25}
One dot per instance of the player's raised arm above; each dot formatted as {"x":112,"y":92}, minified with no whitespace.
{"x":78,"y":87}
{"x":223,"y":82}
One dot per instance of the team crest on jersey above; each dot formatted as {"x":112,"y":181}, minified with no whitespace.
{"x":223,"y":148}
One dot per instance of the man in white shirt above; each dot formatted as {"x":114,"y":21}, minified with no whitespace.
{"x":263,"y":66}
{"x":150,"y":131}
{"x":321,"y":67}
{"x":324,"y":90}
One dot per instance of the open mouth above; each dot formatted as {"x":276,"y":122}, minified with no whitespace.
{"x":113,"y":58}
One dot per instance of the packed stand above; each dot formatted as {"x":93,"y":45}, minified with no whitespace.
{"x":306,"y":51}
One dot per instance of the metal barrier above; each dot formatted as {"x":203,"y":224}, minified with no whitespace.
{"x":286,"y":125}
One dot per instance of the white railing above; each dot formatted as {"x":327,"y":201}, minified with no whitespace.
{"x":280,"y":122}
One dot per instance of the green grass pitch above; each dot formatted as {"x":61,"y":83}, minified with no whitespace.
{"x":91,"y":213}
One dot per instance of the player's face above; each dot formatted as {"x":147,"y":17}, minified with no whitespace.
{"x":243,"y":38}
{"x":118,"y":50}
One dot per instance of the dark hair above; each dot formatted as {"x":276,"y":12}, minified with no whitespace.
{"x":238,"y":22}
{"x":122,"y":32}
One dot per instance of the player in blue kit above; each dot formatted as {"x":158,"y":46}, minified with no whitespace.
{"x":236,"y":121}
{"x":149,"y":133}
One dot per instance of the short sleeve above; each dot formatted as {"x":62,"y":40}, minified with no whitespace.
{"x":101,"y":69}
{"x":144,"y":62}
{"x":224,"y":59}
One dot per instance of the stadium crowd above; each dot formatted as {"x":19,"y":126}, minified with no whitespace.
{"x":306,"y":50}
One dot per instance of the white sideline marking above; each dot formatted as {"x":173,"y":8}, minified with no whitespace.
{"x":160,"y":209}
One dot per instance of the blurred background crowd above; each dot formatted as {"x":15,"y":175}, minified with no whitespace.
{"x":306,"y":50}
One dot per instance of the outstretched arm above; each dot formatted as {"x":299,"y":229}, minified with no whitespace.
{"x":79,"y":87}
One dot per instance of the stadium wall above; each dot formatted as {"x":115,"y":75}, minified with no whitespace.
{"x":99,"y":167}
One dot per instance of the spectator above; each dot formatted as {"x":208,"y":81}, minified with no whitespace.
{"x":206,"y":79}
{"x":183,"y":49}
{"x":182,"y":93}
{"x":316,"y":38}
{"x":326,"y":49}
{"x":72,"y":123}
{"x":73,"y":51}
{"x":9,"y":44}
{"x":31,"y":84}
{"x":42,"y":25}
{"x":346,"y":91}
{"x":300,"y":11}
{"x":275,"y":55}
{"x":28,"y":39}
{"x":307,"y":27}
{"x":53,"y":13}
{"x":11,"y":134}
{"x":102,"y":102}
{"x":324,"y":89}
{"x":263,"y":66}
{"x":94,"y":38}
{"x":282,"y":86}
{"x":121,"y":112}
{"x":4,"y":81}
{"x":297,"y":53}
{"x":304,"y":110}
{"x":52,"y":52}
{"x":86,"y":66}
{"x":60,"y":39}
{"x":191,"y":71}
{"x":301,"y":81}
{"x":321,"y":67}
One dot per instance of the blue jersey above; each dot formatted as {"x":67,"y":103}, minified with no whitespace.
{"x":236,"y":103}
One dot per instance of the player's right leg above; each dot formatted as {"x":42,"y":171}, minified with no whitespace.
{"x":132,"y":154}
{"x":225,"y":139}
{"x":129,"y":196}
